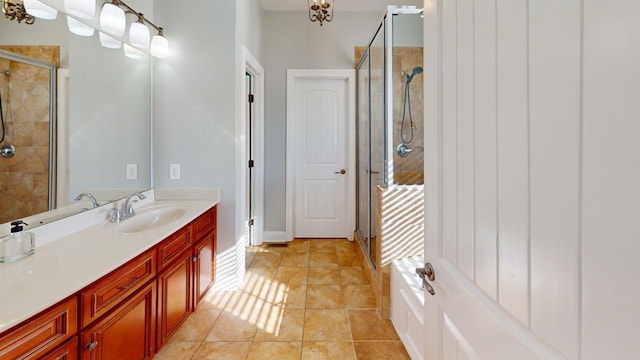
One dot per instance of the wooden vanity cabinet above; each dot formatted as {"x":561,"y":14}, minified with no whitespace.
{"x":68,"y":351}
{"x":204,"y":254}
{"x":43,"y":333}
{"x":128,"y":332}
{"x":174,"y":284}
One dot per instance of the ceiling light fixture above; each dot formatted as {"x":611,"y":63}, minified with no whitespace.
{"x":79,"y":28}
{"x":14,"y":10}
{"x":109,"y":42}
{"x":320,"y":12}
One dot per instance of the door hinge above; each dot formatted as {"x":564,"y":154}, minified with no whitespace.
{"x":251,"y":163}
{"x":250,"y":98}
{"x":251,"y":222}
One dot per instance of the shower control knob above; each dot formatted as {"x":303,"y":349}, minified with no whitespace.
{"x":343,"y":171}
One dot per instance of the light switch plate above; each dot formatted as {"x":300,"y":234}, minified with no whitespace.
{"x":132,"y":171}
{"x":174,"y":171}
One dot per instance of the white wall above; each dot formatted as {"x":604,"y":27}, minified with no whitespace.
{"x":291,"y":41}
{"x":194,"y":106}
{"x":42,"y":32}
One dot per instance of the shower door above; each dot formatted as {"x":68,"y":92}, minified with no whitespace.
{"x":27,"y":132}
{"x":371,"y":140}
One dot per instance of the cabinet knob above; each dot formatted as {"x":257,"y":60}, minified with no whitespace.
{"x":92,"y":345}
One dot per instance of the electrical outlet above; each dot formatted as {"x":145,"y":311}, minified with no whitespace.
{"x":132,"y":171}
{"x":174,"y":171}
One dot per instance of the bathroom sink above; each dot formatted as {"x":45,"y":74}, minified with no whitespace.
{"x":150,"y":218}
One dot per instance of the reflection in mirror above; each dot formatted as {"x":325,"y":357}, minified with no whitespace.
{"x":103,"y":121}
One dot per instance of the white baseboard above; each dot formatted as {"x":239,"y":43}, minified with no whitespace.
{"x":276,"y":236}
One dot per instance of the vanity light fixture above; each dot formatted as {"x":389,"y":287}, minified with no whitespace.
{"x":159,"y":45}
{"x":131,"y":52}
{"x":79,"y":28}
{"x":320,"y":11}
{"x":40,"y":10}
{"x":14,"y":10}
{"x":83,"y":9}
{"x":139,"y":33}
{"x":112,"y":19}
{"x":109,"y":42}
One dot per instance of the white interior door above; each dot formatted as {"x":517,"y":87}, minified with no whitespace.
{"x":320,"y":118}
{"x":502,"y":179}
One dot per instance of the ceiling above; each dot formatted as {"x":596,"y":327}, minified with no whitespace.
{"x":379,"y":6}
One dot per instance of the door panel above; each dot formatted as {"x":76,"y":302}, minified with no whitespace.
{"x":502,"y":173}
{"x":321,"y":127}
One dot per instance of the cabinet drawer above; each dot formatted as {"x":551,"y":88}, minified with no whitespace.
{"x":172,"y":247}
{"x":107,"y":292}
{"x":68,"y":351}
{"x":41,"y":334}
{"x":205,"y":222}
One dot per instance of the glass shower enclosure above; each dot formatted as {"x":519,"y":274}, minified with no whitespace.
{"x":390,"y":146}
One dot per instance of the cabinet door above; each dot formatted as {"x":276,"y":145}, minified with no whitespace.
{"x":68,"y":351}
{"x":204,"y":269}
{"x":174,"y":291}
{"x":128,"y":332}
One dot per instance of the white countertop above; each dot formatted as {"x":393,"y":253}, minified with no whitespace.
{"x":85,"y":247}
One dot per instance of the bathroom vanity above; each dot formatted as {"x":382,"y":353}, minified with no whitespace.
{"x":126,"y":293}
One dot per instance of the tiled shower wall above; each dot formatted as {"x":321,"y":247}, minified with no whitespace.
{"x":24,"y":179}
{"x":408,"y":170}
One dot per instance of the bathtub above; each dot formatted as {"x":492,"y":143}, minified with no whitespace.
{"x":407,"y":304}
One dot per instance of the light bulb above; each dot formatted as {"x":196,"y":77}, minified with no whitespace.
{"x":109,"y":42}
{"x":139,"y":35}
{"x":84,"y":9}
{"x":131,"y":52}
{"x":40,"y":9}
{"x":159,"y":46}
{"x":79,"y":28}
{"x":112,"y":20}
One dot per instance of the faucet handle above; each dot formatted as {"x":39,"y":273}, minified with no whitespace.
{"x":116,"y":216}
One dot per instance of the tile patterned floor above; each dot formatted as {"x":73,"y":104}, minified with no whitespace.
{"x":308,"y":301}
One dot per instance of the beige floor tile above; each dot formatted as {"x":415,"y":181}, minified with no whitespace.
{"x":349,"y":259}
{"x":298,"y":246}
{"x":295,"y":259}
{"x":368,"y":325}
{"x":380,"y":350}
{"x":177,"y":351}
{"x":346,"y":246}
{"x":292,"y":275}
{"x":326,"y":325}
{"x":353,"y":275}
{"x":325,"y":297}
{"x":322,"y":246}
{"x":232,"y":328}
{"x":323,"y":259}
{"x":323,"y":275}
{"x":248,"y":258}
{"x":286,"y":325}
{"x":359,"y":297}
{"x":266,"y":259}
{"x":222,"y":351}
{"x":275,"y":350}
{"x":328,"y":351}
{"x":197,"y":325}
{"x":296,"y":297}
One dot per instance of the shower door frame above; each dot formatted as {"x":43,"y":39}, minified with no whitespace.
{"x":52,"y":68}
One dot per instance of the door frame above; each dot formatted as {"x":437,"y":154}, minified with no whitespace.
{"x":250,"y":64}
{"x":328,"y":74}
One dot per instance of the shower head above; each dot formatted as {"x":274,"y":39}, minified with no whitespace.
{"x":416,"y":70}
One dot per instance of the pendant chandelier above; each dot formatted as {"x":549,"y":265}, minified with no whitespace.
{"x":15,"y":10}
{"x":320,"y":11}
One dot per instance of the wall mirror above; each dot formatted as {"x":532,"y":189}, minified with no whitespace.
{"x":100,"y":116}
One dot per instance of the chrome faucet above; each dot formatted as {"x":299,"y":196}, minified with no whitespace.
{"x":90,"y":197}
{"x":126,"y":210}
